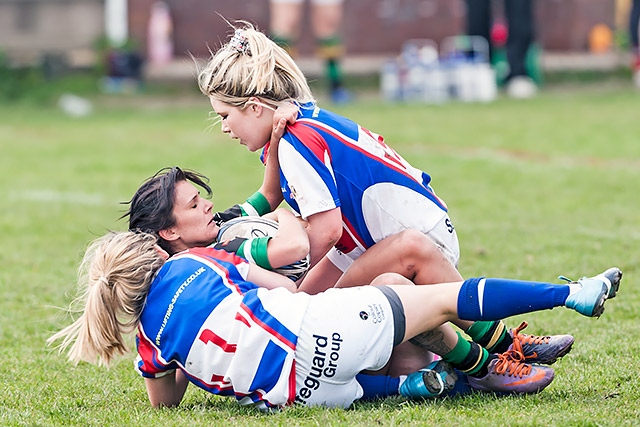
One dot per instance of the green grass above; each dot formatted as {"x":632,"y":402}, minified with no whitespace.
{"x":536,"y":189}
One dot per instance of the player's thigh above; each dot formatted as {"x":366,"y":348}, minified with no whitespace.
{"x":326,"y":16}
{"x":286,"y":17}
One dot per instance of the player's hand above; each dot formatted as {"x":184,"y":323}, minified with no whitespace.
{"x":286,"y":110}
{"x":278,"y":131}
{"x":286,"y":113}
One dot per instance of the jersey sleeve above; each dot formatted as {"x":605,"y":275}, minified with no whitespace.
{"x":306,"y":166}
{"x":147,"y":362}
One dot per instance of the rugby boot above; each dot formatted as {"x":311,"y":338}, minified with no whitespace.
{"x":508,"y":373}
{"x":613,"y":275}
{"x":439,"y":378}
{"x":541,"y":349}
{"x":590,"y":299}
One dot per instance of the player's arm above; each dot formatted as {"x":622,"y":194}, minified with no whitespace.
{"x":270,"y":187}
{"x":324,"y":230}
{"x":268,"y":197}
{"x":322,"y":276}
{"x":167,"y":390}
{"x":291,"y":244}
{"x":288,"y":246}
{"x":256,"y":205}
{"x":269,"y":279}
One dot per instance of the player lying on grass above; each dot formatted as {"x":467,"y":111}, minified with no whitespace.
{"x":202,"y":318}
{"x":170,"y":206}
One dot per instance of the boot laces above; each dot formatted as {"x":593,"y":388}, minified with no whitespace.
{"x":511,"y":363}
{"x":528,"y":339}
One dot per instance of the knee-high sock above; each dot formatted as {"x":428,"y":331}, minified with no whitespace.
{"x":492,"y":335}
{"x":331,"y":50}
{"x":378,"y":386}
{"x":494,"y":299}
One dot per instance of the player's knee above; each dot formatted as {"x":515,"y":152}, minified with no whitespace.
{"x":390,"y":279}
{"x":414,"y":244}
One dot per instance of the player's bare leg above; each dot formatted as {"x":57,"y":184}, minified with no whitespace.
{"x":409,"y":253}
{"x":326,"y":19}
{"x":483,"y":299}
{"x":285,"y":23}
{"x":408,"y":357}
{"x":321,"y":277}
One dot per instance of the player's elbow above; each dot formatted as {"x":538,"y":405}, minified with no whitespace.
{"x":324,"y":230}
{"x":299,"y":248}
{"x":332,"y":234}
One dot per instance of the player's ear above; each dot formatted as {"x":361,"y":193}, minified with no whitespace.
{"x":169,"y":234}
{"x":254,"y":104}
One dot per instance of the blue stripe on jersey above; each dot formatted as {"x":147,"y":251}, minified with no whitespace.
{"x":313,"y":150}
{"x":354,"y":167}
{"x":149,"y":365}
{"x":221,"y":389}
{"x":260,"y":315}
{"x":394,"y":162}
{"x":186,"y":299}
{"x":269,"y":370}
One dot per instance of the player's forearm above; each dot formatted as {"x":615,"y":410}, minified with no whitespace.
{"x":324,"y":230}
{"x":291,"y":244}
{"x":168,"y":390}
{"x":268,"y":279}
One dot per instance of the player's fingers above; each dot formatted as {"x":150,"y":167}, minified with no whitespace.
{"x":278,"y":130}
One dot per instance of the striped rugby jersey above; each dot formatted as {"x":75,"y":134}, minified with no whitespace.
{"x":327,"y":161}
{"x":228,"y":336}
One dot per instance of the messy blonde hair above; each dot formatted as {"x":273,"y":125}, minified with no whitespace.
{"x":251,"y":64}
{"x":113,"y":283}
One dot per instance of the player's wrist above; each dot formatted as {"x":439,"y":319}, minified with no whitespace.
{"x":256,"y":205}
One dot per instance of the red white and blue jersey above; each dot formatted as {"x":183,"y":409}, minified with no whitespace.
{"x":327,"y":161}
{"x":228,"y":336}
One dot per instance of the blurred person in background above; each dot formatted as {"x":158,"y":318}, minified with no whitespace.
{"x":634,"y":17}
{"x":286,"y":24}
{"x":520,"y":37}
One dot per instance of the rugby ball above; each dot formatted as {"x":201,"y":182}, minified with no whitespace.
{"x":250,"y":227}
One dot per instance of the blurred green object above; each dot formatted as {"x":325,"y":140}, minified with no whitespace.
{"x":532,"y":64}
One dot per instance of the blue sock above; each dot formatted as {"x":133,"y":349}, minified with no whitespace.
{"x":378,"y":386}
{"x":494,"y":299}
{"x":461,"y":386}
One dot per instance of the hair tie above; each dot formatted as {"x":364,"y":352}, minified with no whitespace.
{"x":239,"y":42}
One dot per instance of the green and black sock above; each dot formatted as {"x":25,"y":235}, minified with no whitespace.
{"x":469,"y":357}
{"x":492,"y":335}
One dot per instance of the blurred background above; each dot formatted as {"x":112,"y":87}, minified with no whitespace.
{"x":135,"y":41}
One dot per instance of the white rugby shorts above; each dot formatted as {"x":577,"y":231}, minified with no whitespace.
{"x":344,"y":331}
{"x":443,"y":235}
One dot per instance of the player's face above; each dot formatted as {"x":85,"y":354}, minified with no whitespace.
{"x":194,"y":218}
{"x":251,"y":125}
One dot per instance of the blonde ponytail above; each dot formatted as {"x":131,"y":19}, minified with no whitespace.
{"x":251,"y":64}
{"x":113,"y":280}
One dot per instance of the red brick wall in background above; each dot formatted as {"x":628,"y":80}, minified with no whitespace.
{"x":372,"y":26}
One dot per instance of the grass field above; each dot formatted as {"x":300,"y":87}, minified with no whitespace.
{"x":536,"y":189}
